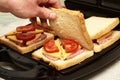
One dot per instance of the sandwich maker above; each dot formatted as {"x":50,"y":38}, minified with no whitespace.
{"x":27,"y":68}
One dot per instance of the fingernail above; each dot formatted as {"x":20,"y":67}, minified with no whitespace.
{"x":52,"y":15}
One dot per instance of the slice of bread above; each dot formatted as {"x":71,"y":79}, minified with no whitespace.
{"x":62,"y":64}
{"x":114,"y":37}
{"x":26,"y":49}
{"x":98,"y":26}
{"x":71,"y":25}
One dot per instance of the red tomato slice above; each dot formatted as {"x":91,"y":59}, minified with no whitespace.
{"x":25,"y":28}
{"x":69,"y":45}
{"x":25,"y":36}
{"x":50,"y":46}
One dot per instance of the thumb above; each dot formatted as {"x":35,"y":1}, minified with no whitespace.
{"x":46,"y":13}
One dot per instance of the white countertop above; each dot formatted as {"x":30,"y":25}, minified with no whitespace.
{"x":111,"y":72}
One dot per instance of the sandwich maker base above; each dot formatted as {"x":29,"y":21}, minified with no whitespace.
{"x":38,"y":70}
{"x":30,"y":69}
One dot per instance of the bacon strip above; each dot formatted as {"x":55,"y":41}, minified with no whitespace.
{"x":42,"y":37}
{"x":70,"y":57}
{"x":75,"y":54}
{"x":104,"y":40}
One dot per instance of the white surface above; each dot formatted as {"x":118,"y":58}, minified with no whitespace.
{"x":111,"y":72}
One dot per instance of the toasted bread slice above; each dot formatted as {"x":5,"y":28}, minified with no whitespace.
{"x":98,"y":26}
{"x":71,"y":25}
{"x":63,"y":64}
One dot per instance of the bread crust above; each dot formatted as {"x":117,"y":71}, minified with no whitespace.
{"x":70,"y":24}
{"x":115,"y":37}
{"x":63,"y":64}
{"x":24,"y":50}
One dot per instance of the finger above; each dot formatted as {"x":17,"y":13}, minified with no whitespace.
{"x":53,"y":3}
{"x":3,"y":9}
{"x":46,"y":13}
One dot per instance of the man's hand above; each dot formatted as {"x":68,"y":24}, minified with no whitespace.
{"x":30,"y":8}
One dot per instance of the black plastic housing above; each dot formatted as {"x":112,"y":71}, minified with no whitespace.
{"x":107,"y":8}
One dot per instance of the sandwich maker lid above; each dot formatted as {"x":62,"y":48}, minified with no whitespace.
{"x":106,"y":8}
{"x":38,"y":70}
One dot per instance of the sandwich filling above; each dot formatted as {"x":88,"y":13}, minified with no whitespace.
{"x":104,"y":38}
{"x":26,"y":35}
{"x":61,"y":49}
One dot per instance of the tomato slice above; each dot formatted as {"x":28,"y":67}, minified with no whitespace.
{"x":69,"y":45}
{"x":50,"y":46}
{"x":25,"y":36}
{"x":25,"y":28}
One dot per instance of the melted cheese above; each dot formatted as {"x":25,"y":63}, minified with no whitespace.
{"x":13,"y":38}
{"x":64,"y":54}
{"x":55,"y":54}
{"x":36,"y":31}
{"x":11,"y":33}
{"x":61,"y":54}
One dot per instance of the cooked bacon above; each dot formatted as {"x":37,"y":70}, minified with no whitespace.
{"x":42,"y":37}
{"x":75,"y":54}
{"x":23,"y":44}
{"x":104,"y":40}
{"x":51,"y":58}
{"x":18,"y":43}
